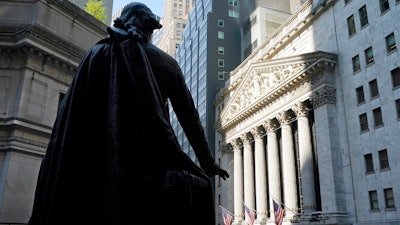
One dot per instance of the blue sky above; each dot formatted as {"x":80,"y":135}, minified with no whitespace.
{"x":157,"y":6}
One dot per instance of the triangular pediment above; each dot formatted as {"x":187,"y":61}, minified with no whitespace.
{"x":268,"y":79}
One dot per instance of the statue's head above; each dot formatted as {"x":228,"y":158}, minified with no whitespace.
{"x":137,"y":15}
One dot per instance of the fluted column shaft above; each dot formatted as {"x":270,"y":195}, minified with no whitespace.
{"x":238,"y":181}
{"x":274,"y":174}
{"x":306,"y":159}
{"x":248,"y":160}
{"x":288,"y":165}
{"x":260,"y":174}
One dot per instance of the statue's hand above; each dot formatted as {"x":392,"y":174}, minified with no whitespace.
{"x":214,"y":169}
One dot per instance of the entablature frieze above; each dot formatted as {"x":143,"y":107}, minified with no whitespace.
{"x":266,"y":83}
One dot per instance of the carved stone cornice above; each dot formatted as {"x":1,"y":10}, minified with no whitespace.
{"x":31,"y":40}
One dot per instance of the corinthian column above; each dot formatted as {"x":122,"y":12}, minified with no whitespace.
{"x":288,"y":165}
{"x":274,"y":174}
{"x":260,"y":174}
{"x":306,"y":159}
{"x":248,"y":160}
{"x":238,"y":181}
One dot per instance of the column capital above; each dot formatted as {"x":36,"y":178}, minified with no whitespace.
{"x":246,"y":138}
{"x":258,"y":132}
{"x":235,"y":144}
{"x":300,"y":109}
{"x":270,"y":125}
{"x":284,"y":118}
{"x":323,"y":96}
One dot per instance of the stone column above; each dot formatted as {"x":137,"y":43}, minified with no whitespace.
{"x":306,"y":159}
{"x":260,"y":174}
{"x":248,"y":161}
{"x":238,"y":181}
{"x":288,"y":165}
{"x":274,"y":174}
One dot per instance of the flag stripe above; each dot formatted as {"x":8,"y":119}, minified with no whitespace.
{"x":227,"y":217}
{"x":251,"y":215}
{"x":279,"y":213}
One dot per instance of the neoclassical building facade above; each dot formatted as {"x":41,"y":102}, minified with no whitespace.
{"x":287,"y":125}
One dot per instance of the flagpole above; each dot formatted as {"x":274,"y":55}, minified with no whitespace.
{"x":250,"y":208}
{"x":226,"y":210}
{"x":273,"y":198}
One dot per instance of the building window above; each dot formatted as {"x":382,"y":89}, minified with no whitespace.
{"x":233,"y":2}
{"x":384,"y":4}
{"x":389,"y":198}
{"x":233,"y":13}
{"x":390,"y":42}
{"x":360,"y":95}
{"x":351,"y":25}
{"x":176,"y":46}
{"x":221,"y":50}
{"x":363,"y":16}
{"x":221,"y":35}
{"x":178,"y":25}
{"x":373,"y":88}
{"x":378,"y":117}
{"x":356,"y":63}
{"x":373,"y":199}
{"x":363,"y":122}
{"x":60,"y":100}
{"x":184,"y":25}
{"x":221,"y":23}
{"x":369,"y":56}
{"x":398,"y":108}
{"x":221,"y":63}
{"x":369,"y":164}
{"x":383,"y":159}
{"x":396,"y":77}
{"x":221,"y":76}
{"x":346,"y":1}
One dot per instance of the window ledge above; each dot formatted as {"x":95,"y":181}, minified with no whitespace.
{"x":385,"y":169}
{"x":390,"y":209}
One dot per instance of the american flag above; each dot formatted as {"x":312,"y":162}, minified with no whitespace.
{"x":227,"y":217}
{"x":251,"y":215}
{"x":279,"y":213}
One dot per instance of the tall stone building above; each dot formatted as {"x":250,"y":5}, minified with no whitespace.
{"x":41,"y":44}
{"x":311,"y":119}
{"x":174,"y":21}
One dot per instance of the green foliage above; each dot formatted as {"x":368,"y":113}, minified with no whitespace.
{"x":96,"y":9}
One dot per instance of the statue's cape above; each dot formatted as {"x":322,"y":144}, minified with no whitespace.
{"x":111,"y":144}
